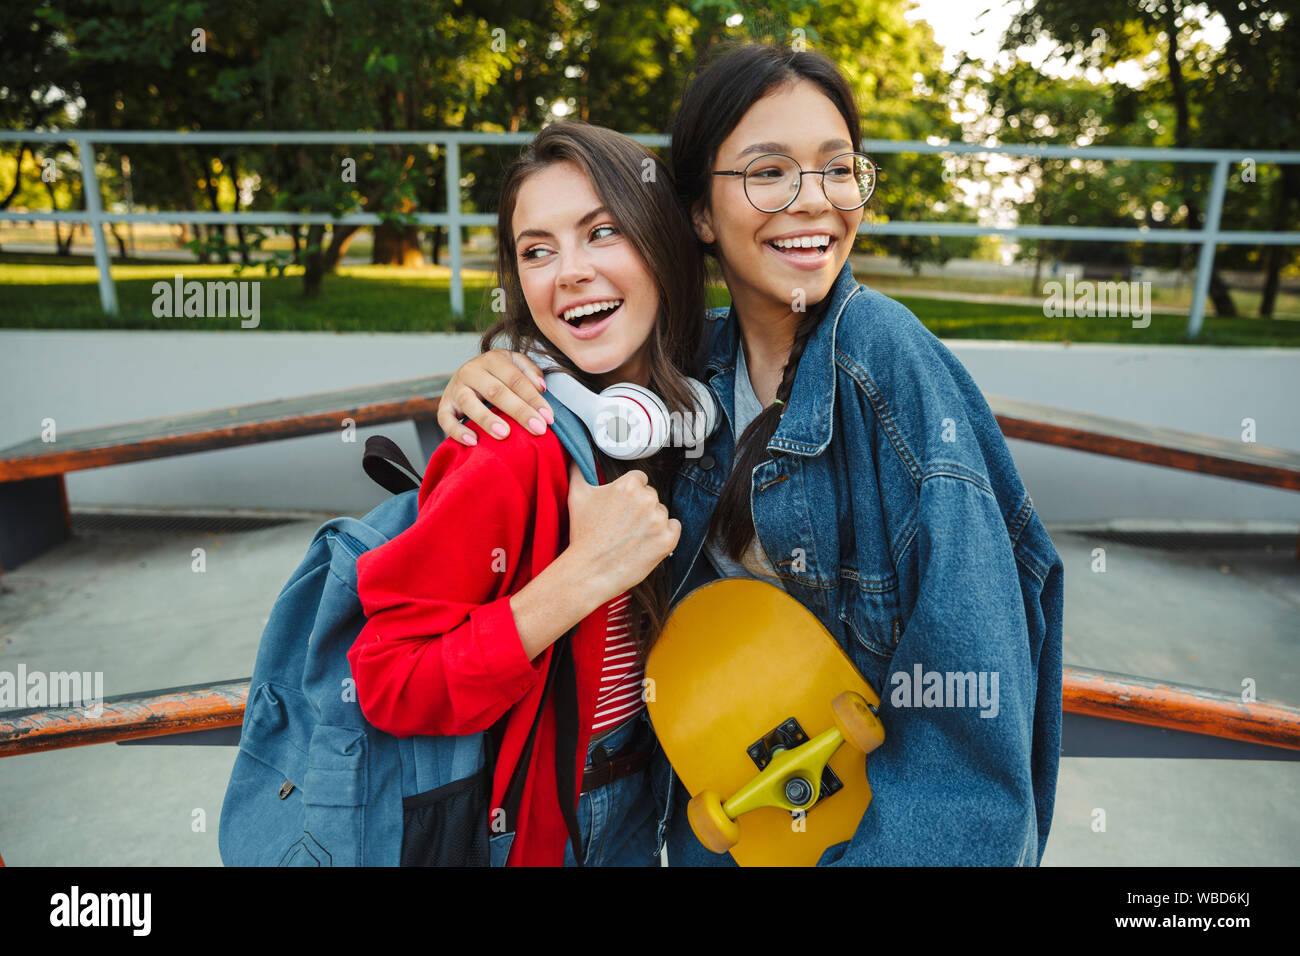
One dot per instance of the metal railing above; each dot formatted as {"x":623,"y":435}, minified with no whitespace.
{"x":1207,"y":724}
{"x":1208,"y":237}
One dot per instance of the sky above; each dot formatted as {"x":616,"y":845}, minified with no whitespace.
{"x":957,"y":24}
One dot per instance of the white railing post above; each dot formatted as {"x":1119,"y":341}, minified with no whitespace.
{"x":1209,"y":239}
{"x":453,"y":229}
{"x":95,"y":209}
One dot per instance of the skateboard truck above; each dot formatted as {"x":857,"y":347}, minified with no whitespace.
{"x":798,"y":790}
{"x":792,"y":771}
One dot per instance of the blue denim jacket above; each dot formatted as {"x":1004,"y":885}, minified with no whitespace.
{"x":891,"y":508}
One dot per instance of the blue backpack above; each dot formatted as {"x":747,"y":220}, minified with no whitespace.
{"x":314,"y":783}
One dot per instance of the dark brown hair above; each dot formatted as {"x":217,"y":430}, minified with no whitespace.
{"x":640,"y":196}
{"x":736,"y":77}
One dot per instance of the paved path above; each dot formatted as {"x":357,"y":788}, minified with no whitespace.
{"x":128,"y":604}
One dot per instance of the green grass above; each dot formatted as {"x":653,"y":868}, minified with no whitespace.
{"x":38,"y":295}
{"x":41,"y":292}
{"x":1247,"y":301}
{"x":979,"y":320}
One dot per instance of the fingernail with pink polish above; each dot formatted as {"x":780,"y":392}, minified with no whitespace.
{"x":500,"y":430}
{"x":536,"y":426}
{"x":548,"y":415}
{"x":469,"y":438}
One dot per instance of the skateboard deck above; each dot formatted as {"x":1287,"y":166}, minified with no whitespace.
{"x":742,"y":675}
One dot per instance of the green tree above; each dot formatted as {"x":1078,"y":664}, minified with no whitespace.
{"x":1242,"y":97}
{"x":459,"y":64}
{"x":1027,"y":106}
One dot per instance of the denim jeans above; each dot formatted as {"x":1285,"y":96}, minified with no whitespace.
{"x":619,"y":822}
{"x":684,"y":847}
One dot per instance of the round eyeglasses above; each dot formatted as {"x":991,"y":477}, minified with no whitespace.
{"x":773,"y":180}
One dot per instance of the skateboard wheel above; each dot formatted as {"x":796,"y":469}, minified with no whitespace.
{"x":710,"y":822}
{"x":860,"y":727}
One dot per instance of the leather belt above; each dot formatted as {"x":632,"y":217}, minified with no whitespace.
{"x":634,"y":756}
{"x":616,"y":767}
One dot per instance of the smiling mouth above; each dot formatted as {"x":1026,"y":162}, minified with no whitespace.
{"x":801,"y":252}
{"x":602,"y":312}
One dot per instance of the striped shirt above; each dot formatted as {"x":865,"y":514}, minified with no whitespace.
{"x":619,"y":696}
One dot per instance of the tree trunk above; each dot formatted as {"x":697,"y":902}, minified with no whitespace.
{"x":314,"y":262}
{"x":340,"y":238}
{"x":1273,"y":267}
{"x":61,"y":247}
{"x":396,"y":246}
{"x":1285,"y":187}
{"x":201,"y":236}
{"x":121,"y":243}
{"x":295,"y":232}
{"x":18,"y":177}
{"x":210,"y":188}
{"x":518,"y":95}
{"x":435,"y":243}
{"x":191,"y":188}
{"x":1219,"y":295}
{"x":233,"y":175}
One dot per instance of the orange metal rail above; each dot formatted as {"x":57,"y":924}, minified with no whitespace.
{"x":1118,"y":697}
{"x":1134,"y":441}
{"x":404,"y":400}
{"x":1196,"y":710}
{"x":176,"y":710}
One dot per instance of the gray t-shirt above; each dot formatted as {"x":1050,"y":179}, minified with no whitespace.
{"x":755,"y":563}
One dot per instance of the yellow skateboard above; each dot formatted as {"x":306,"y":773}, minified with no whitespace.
{"x":766,"y":721}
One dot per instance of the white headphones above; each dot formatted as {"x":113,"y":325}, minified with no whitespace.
{"x":628,"y":421}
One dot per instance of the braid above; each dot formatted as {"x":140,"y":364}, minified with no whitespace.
{"x":801,"y":336}
{"x":732,"y":521}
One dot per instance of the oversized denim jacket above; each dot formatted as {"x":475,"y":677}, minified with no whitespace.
{"x":891,"y":508}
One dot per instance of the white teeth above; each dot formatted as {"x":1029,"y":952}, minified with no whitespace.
{"x":802,"y":242}
{"x":576,"y":313}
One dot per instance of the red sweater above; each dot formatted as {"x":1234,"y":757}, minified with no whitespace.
{"x":440,"y":653}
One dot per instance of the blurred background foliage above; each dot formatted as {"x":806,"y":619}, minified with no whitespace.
{"x":488,"y":66}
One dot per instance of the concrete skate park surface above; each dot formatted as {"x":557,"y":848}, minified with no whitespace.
{"x":122,"y":598}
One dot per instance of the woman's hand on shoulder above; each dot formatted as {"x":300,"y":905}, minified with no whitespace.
{"x":512,"y":382}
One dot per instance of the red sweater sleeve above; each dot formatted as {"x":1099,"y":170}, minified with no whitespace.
{"x":440,"y":652}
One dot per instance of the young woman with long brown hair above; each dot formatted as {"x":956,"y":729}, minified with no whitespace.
{"x":512,"y":549}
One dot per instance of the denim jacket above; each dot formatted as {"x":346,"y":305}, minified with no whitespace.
{"x":890,"y":507}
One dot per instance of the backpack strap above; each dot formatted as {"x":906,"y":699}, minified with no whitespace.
{"x":515,"y":789}
{"x":575,"y":438}
{"x":561,"y":684}
{"x":566,"y":741}
{"x":383,"y":460}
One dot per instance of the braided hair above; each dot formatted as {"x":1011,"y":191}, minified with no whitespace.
{"x":733,"y":521}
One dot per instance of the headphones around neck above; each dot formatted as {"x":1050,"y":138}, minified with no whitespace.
{"x":628,"y":421}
